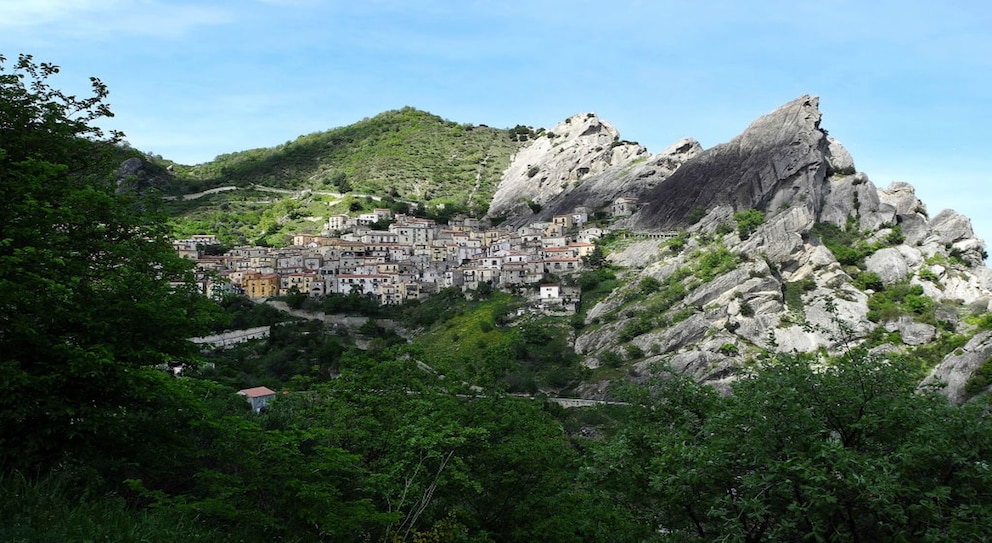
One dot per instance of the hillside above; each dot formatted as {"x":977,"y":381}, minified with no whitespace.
{"x":779,"y":241}
{"x":402,"y":158}
{"x":432,"y":419}
{"x":773,"y":240}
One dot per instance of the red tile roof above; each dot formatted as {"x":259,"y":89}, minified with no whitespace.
{"x":257,"y":392}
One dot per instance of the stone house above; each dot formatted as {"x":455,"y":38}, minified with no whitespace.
{"x":261,"y":285}
{"x":258,"y":397}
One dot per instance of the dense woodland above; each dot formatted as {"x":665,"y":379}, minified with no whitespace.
{"x":444,"y":436}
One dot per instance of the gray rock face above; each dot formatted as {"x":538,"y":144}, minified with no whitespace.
{"x":855,"y":196}
{"x":950,"y":227}
{"x":630,"y":179}
{"x":839,"y":159}
{"x":576,"y":149}
{"x":902,"y":196}
{"x":784,"y":165}
{"x":955,"y":233}
{"x":894,"y":263}
{"x":781,"y":238}
{"x":780,"y":160}
{"x":139,"y":175}
{"x":955,"y":370}
{"x":913,"y":333}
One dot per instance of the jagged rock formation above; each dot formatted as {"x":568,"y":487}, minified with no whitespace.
{"x":580,"y":162}
{"x":784,"y":288}
{"x":780,"y":160}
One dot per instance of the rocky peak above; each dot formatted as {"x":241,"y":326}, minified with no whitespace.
{"x":579,"y":147}
{"x":780,"y":160}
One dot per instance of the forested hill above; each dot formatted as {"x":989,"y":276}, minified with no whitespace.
{"x":405,"y":153}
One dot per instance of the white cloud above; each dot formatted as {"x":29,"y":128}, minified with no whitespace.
{"x":96,"y":19}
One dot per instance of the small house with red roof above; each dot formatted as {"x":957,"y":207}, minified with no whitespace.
{"x":258,"y":397}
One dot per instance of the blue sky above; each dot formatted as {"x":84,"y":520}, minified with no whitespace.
{"x":905,"y":85}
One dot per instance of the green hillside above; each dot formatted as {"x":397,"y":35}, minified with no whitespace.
{"x":407,"y":155}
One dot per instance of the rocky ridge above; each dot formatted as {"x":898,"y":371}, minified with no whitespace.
{"x":718,"y":296}
{"x":580,"y":162}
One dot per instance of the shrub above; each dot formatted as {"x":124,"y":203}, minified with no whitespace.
{"x":610,"y":359}
{"x":729,"y":349}
{"x":633,"y":351}
{"x":748,"y":221}
{"x":635,"y":328}
{"x":980,"y":380}
{"x":869,"y":281}
{"x":649,"y":285}
{"x":695,"y":215}
{"x":895,"y":237}
{"x":900,"y":299}
{"x":715,"y":263}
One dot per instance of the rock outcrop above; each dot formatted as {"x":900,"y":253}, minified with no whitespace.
{"x":577,"y":148}
{"x":780,"y":160}
{"x":785,"y":289}
{"x":140,"y":175}
{"x":953,"y":373}
{"x":581,"y":162}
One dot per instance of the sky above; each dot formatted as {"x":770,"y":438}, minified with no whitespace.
{"x":905,"y":86}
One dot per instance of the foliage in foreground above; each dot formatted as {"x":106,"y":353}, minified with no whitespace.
{"x":54,"y":508}
{"x":822,"y":450}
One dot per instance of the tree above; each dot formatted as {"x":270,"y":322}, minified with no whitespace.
{"x":844,"y":449}
{"x":92,"y":296}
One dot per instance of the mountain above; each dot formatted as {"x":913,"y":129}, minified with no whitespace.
{"x":771,"y":240}
{"x":405,"y":156}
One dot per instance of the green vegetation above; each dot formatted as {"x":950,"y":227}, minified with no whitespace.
{"x":695,"y":215}
{"x":748,"y":221}
{"x":900,"y":299}
{"x":980,"y":380}
{"x":404,"y":153}
{"x":849,"y":245}
{"x":928,"y":355}
{"x":373,"y":438}
{"x":831,"y":450}
{"x":86,"y":307}
{"x":713,"y":263}
{"x":56,"y":508}
{"x":595,"y":285}
{"x":401,"y":157}
{"x":793,"y":294}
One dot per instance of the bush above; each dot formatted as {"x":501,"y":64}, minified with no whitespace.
{"x":900,"y":299}
{"x":610,"y":359}
{"x":728,"y":349}
{"x":649,"y":285}
{"x":695,"y":215}
{"x":869,"y":281}
{"x":748,"y":221}
{"x":980,"y":380}
{"x":633,"y":351}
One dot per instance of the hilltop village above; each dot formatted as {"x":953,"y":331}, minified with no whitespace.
{"x":409,"y":260}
